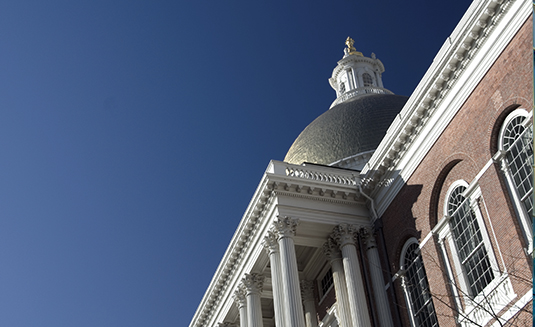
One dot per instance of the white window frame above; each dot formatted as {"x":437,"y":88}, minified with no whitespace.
{"x":524,"y":217}
{"x":472,"y":199}
{"x":404,"y":265}
{"x":472,"y":308}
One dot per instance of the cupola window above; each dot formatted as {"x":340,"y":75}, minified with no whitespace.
{"x":367,"y":79}
{"x":342,"y":87}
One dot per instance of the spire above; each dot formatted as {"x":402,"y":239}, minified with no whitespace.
{"x":356,"y":75}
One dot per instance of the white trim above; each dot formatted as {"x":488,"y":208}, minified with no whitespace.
{"x":520,"y":112}
{"x":499,"y":292}
{"x":515,"y":308}
{"x":523,"y":217}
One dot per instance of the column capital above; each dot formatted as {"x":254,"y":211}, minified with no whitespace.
{"x":368,"y":235}
{"x":270,"y":242}
{"x":307,"y":290}
{"x":239,"y":296}
{"x":285,"y":226}
{"x":331,"y":249}
{"x":253,"y":283}
{"x":344,"y":234}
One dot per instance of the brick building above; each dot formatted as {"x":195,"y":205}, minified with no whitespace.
{"x":396,"y":211}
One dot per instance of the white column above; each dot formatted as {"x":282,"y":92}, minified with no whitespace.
{"x":332,"y":251}
{"x":307,"y":292}
{"x":358,"y":81}
{"x":376,"y":272}
{"x":239,"y":297}
{"x":350,"y":83}
{"x":253,"y":287}
{"x":345,"y":237}
{"x":272,"y":247}
{"x":285,"y":229}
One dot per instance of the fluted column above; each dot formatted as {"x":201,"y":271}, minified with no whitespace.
{"x":272,"y":246}
{"x":253,"y":284}
{"x":332,"y":251}
{"x":285,"y":229}
{"x":241,"y":301}
{"x":345,"y":237}
{"x":307,"y":292}
{"x":379,"y":292}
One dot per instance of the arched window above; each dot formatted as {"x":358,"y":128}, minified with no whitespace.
{"x":367,"y":79}
{"x":516,"y":145}
{"x":468,"y":241}
{"x":468,"y":256}
{"x":342,"y":87}
{"x":416,"y":287}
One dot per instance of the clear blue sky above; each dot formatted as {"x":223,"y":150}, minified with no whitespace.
{"x":133,"y":134}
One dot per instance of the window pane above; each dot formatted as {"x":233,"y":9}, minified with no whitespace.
{"x":517,"y":141}
{"x":469,"y":242}
{"x":417,"y":288}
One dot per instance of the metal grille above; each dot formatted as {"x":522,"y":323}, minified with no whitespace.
{"x":469,"y":242}
{"x":422,"y":306}
{"x":517,"y":141}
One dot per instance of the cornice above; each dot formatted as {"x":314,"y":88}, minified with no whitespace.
{"x":480,"y":37}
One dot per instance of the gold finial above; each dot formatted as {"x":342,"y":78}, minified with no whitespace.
{"x":350,"y":48}
{"x":349,"y":43}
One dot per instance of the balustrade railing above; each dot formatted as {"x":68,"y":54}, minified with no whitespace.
{"x":317,"y":175}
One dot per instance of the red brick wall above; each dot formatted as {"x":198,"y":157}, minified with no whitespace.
{"x":461,"y":152}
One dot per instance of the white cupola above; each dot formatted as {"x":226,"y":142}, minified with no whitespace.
{"x":356,"y":75}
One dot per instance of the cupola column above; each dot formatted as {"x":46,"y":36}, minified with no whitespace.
{"x":345,"y":237}
{"x":272,"y":246}
{"x":285,"y":229}
{"x":332,"y":251}
{"x":307,"y":292}
{"x":379,"y":292}
{"x":253,"y":284}
{"x":241,"y":301}
{"x":358,"y":82}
